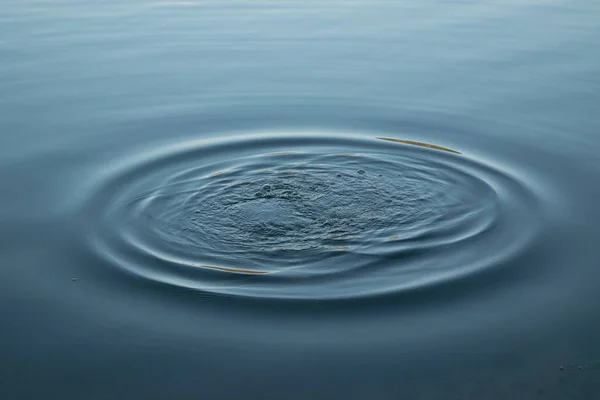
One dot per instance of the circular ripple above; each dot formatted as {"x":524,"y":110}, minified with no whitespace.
{"x":309,"y":216}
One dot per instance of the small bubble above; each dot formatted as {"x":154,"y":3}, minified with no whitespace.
{"x":339,"y":175}
{"x":74,"y":279}
{"x":361,"y":171}
{"x":266,"y":188}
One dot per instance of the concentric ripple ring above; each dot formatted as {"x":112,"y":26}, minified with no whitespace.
{"x":308,"y":216}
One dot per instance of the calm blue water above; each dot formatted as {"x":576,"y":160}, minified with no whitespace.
{"x":299,"y":199}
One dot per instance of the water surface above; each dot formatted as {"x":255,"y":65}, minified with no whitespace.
{"x":299,"y":199}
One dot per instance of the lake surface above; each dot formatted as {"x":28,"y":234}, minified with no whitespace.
{"x":299,"y":199}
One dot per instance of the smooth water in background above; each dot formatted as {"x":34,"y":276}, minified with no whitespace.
{"x":300,"y":199}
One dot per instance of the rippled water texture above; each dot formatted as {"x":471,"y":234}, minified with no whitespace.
{"x":316,"y":217}
{"x":299,"y":199}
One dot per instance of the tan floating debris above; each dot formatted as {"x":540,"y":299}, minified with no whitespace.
{"x":217,"y":173}
{"x":280,"y":153}
{"x":414,"y":143}
{"x":234,"y":270}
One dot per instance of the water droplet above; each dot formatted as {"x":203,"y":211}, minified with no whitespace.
{"x":266,"y":188}
{"x":361,"y":171}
